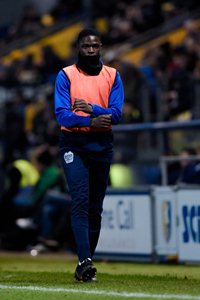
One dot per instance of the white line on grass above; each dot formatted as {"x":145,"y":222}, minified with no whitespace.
{"x":100,"y":292}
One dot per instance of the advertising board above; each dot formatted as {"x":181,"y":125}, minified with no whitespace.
{"x":165,"y":220}
{"x":126,"y":225}
{"x":189,"y":224}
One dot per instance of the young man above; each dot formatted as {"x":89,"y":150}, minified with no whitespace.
{"x":88,"y":100}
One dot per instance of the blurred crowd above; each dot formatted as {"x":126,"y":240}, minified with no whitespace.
{"x":119,"y":20}
{"x":163,"y":87}
{"x":127,"y":19}
{"x":31,"y":21}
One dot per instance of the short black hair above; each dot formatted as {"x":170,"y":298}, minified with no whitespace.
{"x":86,"y":32}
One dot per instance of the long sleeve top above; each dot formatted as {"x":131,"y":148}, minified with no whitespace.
{"x":66,"y":117}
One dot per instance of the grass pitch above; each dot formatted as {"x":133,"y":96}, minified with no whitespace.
{"x":51,"y":277}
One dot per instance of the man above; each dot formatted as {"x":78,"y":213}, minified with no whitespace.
{"x":88,"y":100}
{"x":189,"y":169}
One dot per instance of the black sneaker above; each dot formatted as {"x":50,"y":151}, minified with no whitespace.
{"x":86,"y":271}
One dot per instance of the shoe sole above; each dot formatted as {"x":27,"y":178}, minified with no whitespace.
{"x":88,"y":275}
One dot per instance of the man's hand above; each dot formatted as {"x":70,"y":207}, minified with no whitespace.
{"x":102,"y":121}
{"x":82,"y":105}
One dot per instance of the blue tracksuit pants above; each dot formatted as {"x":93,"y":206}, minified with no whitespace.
{"x":87,"y":174}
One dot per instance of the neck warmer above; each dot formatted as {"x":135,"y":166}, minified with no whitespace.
{"x":89,"y":64}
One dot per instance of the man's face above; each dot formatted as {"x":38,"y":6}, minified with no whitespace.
{"x":89,"y":46}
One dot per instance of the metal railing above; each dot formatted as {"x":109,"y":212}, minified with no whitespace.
{"x":158,"y":126}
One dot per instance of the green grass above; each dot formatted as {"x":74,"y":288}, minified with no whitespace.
{"x":56,"y":272}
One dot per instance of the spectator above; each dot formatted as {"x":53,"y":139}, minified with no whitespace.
{"x":181,"y":90}
{"x":49,"y":64}
{"x":23,"y":202}
{"x":52,"y":220}
{"x":28,"y":24}
{"x":190,"y":169}
{"x":149,"y":68}
{"x":15,"y":141}
{"x":21,"y":177}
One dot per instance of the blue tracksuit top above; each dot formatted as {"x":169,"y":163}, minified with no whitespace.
{"x":67,"y":118}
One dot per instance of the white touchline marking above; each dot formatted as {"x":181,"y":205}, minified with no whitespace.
{"x":101,"y":292}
